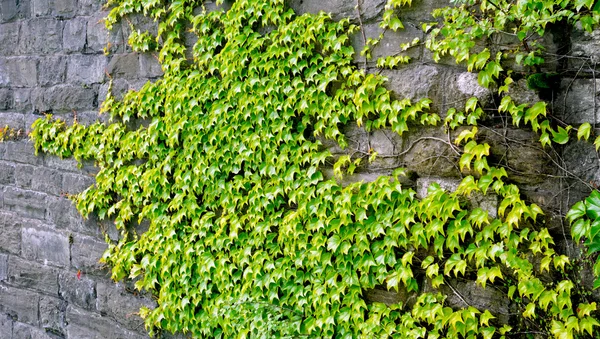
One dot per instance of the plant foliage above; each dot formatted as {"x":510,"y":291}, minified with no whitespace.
{"x":247,"y":238}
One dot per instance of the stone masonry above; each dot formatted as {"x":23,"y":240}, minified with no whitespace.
{"x":52,"y":60}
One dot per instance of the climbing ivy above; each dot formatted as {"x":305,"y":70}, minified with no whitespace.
{"x":247,"y":238}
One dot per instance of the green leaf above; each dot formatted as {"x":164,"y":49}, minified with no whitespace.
{"x":584,"y":131}
{"x":592,"y":204}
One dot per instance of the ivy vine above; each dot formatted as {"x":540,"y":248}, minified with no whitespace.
{"x":246,"y":236}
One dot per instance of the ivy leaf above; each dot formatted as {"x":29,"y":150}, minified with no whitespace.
{"x":584,"y":131}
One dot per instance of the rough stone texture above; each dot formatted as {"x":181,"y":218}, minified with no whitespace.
{"x":85,"y":252}
{"x":120,"y":304}
{"x":91,"y":325}
{"x":46,"y":246}
{"x":33,"y":276}
{"x":25,"y":203}
{"x":21,"y":305}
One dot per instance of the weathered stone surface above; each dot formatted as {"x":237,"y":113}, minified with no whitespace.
{"x":576,"y":102}
{"x":519,"y":149}
{"x":13,"y":9}
{"x":9,"y":34}
{"x":62,"y":9}
{"x":389,"y":45}
{"x":96,"y":35}
{"x":86,"y":69}
{"x":7,"y":173}
{"x":6,"y":99}
{"x":65,"y":98}
{"x":488,"y":202}
{"x":521,"y":94}
{"x":80,"y":291}
{"x":121,"y":305}
{"x":6,"y":326}
{"x":52,"y":70}
{"x":447,"y":87}
{"x":13,"y":120}
{"x":581,"y":159}
{"x":124,"y":66}
{"x":22,"y":99}
{"x":62,"y":213}
{"x":73,"y":183}
{"x":52,"y":315}
{"x":46,"y":246}
{"x":85,"y":252}
{"x":74,"y":35}
{"x":83,"y":324}
{"x":31,"y":275}
{"x":44,"y":36}
{"x":10,"y":228}
{"x":21,"y":152}
{"x":23,"y":331}
{"x":340,"y":9}
{"x":24,"y":175}
{"x":149,"y":66}
{"x":21,"y":305}
{"x":47,"y":180}
{"x":3,"y":266}
{"x":19,"y":71}
{"x":25,"y":203}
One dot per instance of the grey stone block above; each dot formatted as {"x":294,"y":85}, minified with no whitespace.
{"x":487,"y":202}
{"x":55,"y":162}
{"x":52,"y":315}
{"x":89,"y":325}
{"x":8,"y":10}
{"x":98,"y":37}
{"x":3,"y":266}
{"x":74,"y":35}
{"x":61,"y":9}
{"x":7,"y":173}
{"x":9,"y":35}
{"x":340,"y":9}
{"x":23,"y":331}
{"x":63,"y":214}
{"x":121,"y":305}
{"x":124,"y":66}
{"x":10,"y":228}
{"x":6,"y":99}
{"x":20,"y":304}
{"x":89,"y":7}
{"x":149,"y":66}
{"x":18,"y":71}
{"x":576,"y":101}
{"x":47,"y":180}
{"x":44,"y":36}
{"x":447,"y":87}
{"x":46,"y":246}
{"x":80,"y":291}
{"x":22,"y":99}
{"x":86,"y":69}
{"x":13,"y":120}
{"x":26,"y":203}
{"x":65,"y":98}
{"x":23,"y":175}
{"x":21,"y":152}
{"x":389,"y":45}
{"x":74,"y":184}
{"x":52,"y":70}
{"x":86,"y":252}
{"x":6,"y":326}
{"x":30,"y":275}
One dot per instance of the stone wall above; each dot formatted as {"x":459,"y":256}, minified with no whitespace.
{"x":52,"y":61}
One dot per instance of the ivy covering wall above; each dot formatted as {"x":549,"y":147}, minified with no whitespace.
{"x":223,"y":158}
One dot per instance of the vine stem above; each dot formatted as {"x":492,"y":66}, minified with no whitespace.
{"x":362,"y":28}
